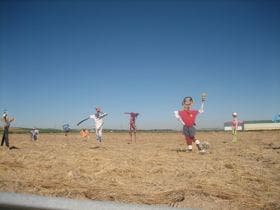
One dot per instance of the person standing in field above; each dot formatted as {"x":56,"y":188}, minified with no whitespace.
{"x":98,"y":119}
{"x":132,"y":124}
{"x":34,"y":134}
{"x":234,"y":126}
{"x":187,"y":117}
{"x":6,"y":125}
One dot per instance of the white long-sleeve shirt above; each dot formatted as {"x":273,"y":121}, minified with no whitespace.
{"x":98,"y":119}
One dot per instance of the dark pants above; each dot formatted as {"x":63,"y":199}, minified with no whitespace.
{"x":5,"y":137}
{"x":189,"y":133}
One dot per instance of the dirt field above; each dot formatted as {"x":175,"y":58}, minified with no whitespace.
{"x":155,"y":170}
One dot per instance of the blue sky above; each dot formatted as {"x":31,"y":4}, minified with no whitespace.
{"x":60,"y":59}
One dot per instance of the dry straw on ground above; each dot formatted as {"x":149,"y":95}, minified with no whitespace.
{"x":155,"y":170}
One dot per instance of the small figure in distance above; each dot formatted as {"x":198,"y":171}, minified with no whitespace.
{"x":132,"y":124}
{"x":34,"y":134}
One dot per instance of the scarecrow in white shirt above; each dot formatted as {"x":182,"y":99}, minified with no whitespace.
{"x":98,"y":119}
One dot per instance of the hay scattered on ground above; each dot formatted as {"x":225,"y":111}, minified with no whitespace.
{"x":155,"y":170}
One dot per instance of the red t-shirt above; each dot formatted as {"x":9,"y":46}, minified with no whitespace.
{"x":188,"y":116}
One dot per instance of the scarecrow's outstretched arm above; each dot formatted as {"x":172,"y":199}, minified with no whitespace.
{"x":203,"y":99}
{"x":82,"y":121}
{"x":176,"y":113}
{"x":201,"y":110}
{"x":102,"y":115}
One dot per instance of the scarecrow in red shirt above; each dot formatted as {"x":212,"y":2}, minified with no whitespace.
{"x":187,"y":117}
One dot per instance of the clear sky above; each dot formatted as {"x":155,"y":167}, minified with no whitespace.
{"x":60,"y":59}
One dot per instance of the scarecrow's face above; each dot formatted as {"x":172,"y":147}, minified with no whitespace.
{"x":188,"y":102}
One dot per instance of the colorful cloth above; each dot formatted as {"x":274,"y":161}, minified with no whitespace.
{"x":188,"y":117}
